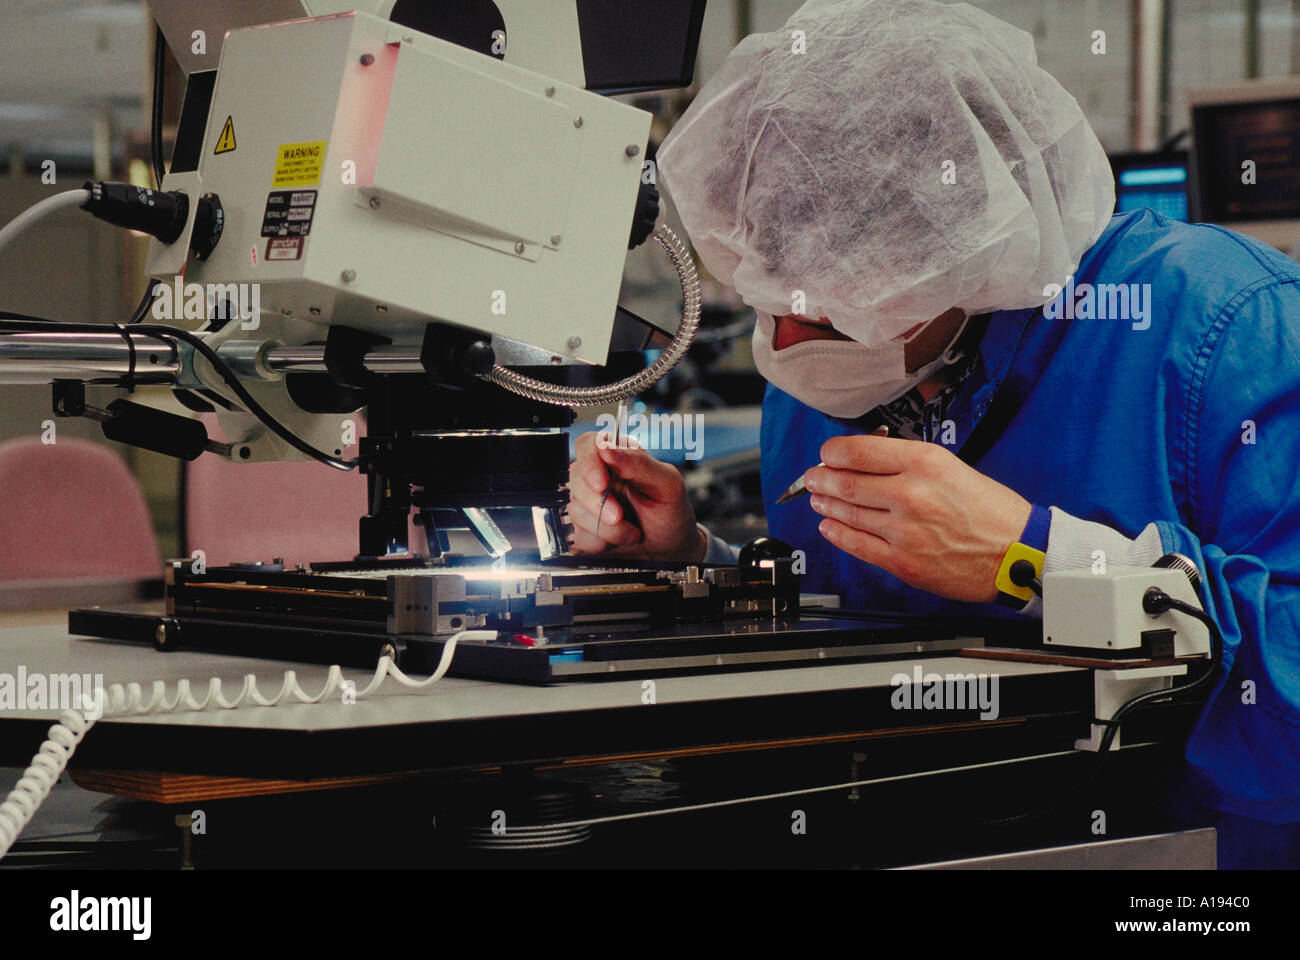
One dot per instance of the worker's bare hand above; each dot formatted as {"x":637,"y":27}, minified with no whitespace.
{"x":647,"y":515}
{"x":917,"y":511}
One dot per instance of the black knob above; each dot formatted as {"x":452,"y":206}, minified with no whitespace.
{"x":764,"y":548}
{"x":479,"y":358}
{"x":209,"y":221}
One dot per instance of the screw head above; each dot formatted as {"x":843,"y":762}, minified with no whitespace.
{"x":577,"y":121}
{"x":314,"y":311}
{"x":632,"y":150}
{"x":348,"y":276}
{"x":519,"y":246}
{"x":550,"y":91}
{"x":555,"y":239}
{"x":374,"y":203}
{"x":367,"y":59}
{"x":380,"y":308}
{"x":574,"y":343}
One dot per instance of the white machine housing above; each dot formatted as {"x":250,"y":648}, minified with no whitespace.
{"x":448,"y":186}
{"x":1104,"y":610}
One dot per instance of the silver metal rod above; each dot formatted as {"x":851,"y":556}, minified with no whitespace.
{"x":40,"y":357}
{"x":386,"y":358}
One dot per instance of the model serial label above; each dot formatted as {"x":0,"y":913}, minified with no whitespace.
{"x":288,"y":213}
{"x":298,"y":164}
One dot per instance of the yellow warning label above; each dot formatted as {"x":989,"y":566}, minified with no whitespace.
{"x":299,"y":164}
{"x":226,"y":142}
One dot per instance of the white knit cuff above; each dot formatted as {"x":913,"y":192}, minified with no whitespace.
{"x":1073,"y":544}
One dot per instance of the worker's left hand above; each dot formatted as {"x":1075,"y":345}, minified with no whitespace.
{"x":917,"y":511}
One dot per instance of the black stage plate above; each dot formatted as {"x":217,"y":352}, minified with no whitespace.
{"x":570,"y":653}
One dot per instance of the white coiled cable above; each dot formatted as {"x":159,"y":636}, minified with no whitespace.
{"x":120,"y":700}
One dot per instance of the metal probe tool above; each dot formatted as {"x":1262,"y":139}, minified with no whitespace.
{"x":799,"y":488}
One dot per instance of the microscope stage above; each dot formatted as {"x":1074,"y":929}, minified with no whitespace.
{"x":554,"y":623}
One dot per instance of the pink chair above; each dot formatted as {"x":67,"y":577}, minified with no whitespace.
{"x":72,"y":510}
{"x":304,"y":512}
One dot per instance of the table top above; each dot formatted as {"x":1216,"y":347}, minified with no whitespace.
{"x":460,"y":721}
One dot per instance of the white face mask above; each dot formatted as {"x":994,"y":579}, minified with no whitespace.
{"x":842,"y":378}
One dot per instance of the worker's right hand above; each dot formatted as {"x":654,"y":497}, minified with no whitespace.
{"x":647,"y":515}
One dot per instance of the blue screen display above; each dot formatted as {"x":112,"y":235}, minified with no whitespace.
{"x":1160,"y":188}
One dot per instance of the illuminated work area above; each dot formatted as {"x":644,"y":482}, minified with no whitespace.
{"x":650,"y":434}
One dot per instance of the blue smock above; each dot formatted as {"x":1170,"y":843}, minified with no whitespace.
{"x":1193,"y":423}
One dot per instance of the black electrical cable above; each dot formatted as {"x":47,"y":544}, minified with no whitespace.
{"x":251,"y":405}
{"x":19,"y":321}
{"x":142,"y":309}
{"x":155,"y":149}
{"x":156,"y":114}
{"x":128,"y":382}
{"x":1153,"y":602}
{"x":24,"y":321}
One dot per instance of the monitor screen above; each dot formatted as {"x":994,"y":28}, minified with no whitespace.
{"x":1155,"y":181}
{"x":1248,"y":160}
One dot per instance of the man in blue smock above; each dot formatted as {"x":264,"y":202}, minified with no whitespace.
{"x":920,"y":217}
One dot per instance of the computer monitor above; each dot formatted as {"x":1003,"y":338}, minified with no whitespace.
{"x":1157,"y":181}
{"x":1246,"y":158}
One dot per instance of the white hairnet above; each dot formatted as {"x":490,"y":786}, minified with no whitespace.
{"x":824,"y":171}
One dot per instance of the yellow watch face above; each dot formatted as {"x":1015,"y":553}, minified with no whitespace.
{"x":1018,"y":551}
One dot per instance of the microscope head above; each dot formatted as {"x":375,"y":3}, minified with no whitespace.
{"x":413,"y":198}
